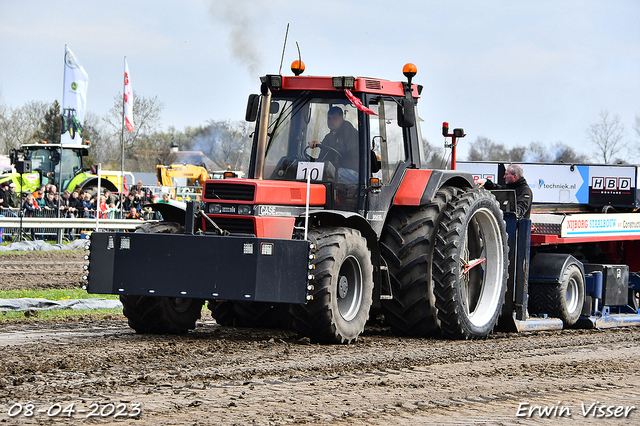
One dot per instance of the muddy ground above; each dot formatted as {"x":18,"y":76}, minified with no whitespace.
{"x":98,"y":371}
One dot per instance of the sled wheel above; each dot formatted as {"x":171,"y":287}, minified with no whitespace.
{"x":564,"y":300}
{"x":342,"y":288}
{"x":407,"y":246}
{"x":470,"y":265}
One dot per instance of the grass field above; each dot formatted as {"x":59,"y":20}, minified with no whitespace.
{"x":55,"y":314}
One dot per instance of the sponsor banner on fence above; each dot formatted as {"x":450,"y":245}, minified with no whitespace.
{"x":599,"y":225}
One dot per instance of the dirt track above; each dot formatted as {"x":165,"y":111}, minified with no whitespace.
{"x":244,"y":376}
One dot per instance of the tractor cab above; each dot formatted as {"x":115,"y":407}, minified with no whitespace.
{"x":349,"y":134}
{"x":55,"y":163}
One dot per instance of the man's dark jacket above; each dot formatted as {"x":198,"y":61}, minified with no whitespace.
{"x":524,"y":196}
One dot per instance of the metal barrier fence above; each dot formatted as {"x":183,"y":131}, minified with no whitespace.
{"x":46,"y":226}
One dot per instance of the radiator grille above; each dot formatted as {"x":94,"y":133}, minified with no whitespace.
{"x":225,"y":191}
{"x":233,"y":225}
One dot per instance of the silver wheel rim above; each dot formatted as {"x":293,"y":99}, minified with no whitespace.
{"x":480,"y":298}
{"x":349,"y":294}
{"x":572,"y":295}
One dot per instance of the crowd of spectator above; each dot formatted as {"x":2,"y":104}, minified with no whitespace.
{"x":46,"y":201}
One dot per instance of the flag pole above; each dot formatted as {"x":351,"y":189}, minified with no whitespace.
{"x":122,"y":157}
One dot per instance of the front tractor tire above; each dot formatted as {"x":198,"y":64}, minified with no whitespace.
{"x":470,"y":265}
{"x":161,"y":315}
{"x":342,"y":288}
{"x":407,"y":245}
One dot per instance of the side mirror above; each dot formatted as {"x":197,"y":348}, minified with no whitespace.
{"x":406,"y":113}
{"x":251,"y":114}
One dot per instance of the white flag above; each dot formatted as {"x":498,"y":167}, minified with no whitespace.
{"x":74,"y":98}
{"x":128,"y":98}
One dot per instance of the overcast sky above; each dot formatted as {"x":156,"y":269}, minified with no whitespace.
{"x":512,"y":71}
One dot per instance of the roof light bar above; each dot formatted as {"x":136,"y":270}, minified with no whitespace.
{"x":345,"y":82}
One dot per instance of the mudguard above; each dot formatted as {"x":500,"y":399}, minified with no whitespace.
{"x":349,"y":220}
{"x":171,"y":212}
{"x":418,"y":187}
{"x":91,"y":180}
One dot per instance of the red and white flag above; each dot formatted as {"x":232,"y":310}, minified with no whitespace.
{"x":356,"y":102}
{"x":128,"y":98}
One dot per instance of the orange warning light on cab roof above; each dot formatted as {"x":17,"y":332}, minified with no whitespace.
{"x":409,"y":70}
{"x":297,"y":67}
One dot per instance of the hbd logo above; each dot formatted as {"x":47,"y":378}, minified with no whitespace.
{"x":611,"y":183}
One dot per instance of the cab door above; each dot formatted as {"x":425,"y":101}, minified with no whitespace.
{"x":389,"y":151}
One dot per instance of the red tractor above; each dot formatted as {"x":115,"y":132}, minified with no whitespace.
{"x":339,"y":218}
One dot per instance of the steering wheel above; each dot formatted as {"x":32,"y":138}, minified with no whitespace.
{"x":322,"y":156}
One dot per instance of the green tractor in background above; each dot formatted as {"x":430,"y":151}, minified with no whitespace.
{"x":60,"y":165}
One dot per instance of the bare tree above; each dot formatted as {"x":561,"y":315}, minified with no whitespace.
{"x":226,"y":142}
{"x":105,"y":146}
{"x":562,"y":153}
{"x":484,"y":149}
{"x":537,"y":153}
{"x":608,"y":135}
{"x":139,"y":144}
{"x":435,"y":157}
{"x":636,"y":126}
{"x":20,"y":125}
{"x":517,"y":154}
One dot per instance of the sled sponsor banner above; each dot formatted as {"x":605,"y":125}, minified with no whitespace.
{"x":74,"y":96}
{"x":615,"y":185}
{"x":600,"y":225}
{"x":557,"y":183}
{"x":480,"y":170}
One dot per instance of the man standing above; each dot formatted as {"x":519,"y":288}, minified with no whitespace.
{"x":514,"y":179}
{"x":12,"y":196}
{"x":4,"y":188}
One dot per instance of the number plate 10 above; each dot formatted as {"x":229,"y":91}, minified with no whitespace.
{"x":313,"y":170}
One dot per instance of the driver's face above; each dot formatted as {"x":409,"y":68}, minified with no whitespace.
{"x":334,"y":121}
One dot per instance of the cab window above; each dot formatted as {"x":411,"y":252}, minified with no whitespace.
{"x":385,"y":137}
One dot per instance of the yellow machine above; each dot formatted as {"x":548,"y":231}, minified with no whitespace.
{"x":196,"y":176}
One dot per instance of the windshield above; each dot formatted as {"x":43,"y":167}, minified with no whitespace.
{"x":307,"y":130}
{"x":56,"y":166}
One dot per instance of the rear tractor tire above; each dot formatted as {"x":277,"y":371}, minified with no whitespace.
{"x":470,"y":265}
{"x":407,"y":245}
{"x":161,"y":315}
{"x":342,"y":288}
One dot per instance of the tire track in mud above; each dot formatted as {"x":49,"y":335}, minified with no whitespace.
{"x":248,"y":376}
{"x":238,"y":376}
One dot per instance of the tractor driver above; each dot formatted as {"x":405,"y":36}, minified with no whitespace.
{"x":340,"y":146}
{"x":514,"y":179}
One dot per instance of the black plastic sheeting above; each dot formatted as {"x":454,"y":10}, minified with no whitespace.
{"x":26,"y":304}
{"x":40,"y":245}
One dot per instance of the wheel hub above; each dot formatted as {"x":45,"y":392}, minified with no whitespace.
{"x":343,"y":287}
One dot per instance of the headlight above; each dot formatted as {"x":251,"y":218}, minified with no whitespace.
{"x":215,"y":208}
{"x":244,"y":209}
